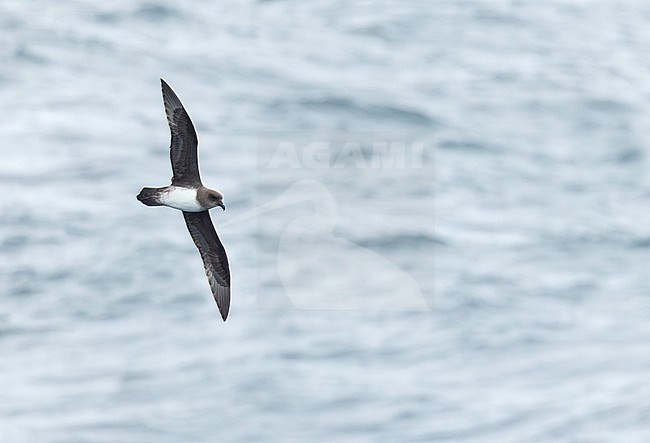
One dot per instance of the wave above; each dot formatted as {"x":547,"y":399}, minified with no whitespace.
{"x":349,"y":106}
{"x":406,"y":240}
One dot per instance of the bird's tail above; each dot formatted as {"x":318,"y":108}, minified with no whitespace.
{"x":151,"y":196}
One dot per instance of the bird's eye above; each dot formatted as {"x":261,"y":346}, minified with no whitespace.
{"x":213,"y":197}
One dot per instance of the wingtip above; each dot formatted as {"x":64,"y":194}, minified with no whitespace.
{"x":224,"y":306}
{"x":170,"y":98}
{"x":224,"y":314}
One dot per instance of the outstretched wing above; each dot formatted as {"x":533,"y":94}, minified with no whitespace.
{"x":184,"y":145}
{"x":214,"y":257}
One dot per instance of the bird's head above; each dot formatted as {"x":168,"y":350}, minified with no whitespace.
{"x":212,"y":198}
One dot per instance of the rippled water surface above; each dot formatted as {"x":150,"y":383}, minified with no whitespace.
{"x":494,"y":287}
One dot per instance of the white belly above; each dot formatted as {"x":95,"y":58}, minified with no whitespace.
{"x":183,"y":199}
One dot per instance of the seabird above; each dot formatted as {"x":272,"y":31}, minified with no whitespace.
{"x":187,"y":193}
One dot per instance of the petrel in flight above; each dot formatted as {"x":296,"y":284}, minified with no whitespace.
{"x":188,"y":194}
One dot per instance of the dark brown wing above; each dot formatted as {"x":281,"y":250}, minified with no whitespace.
{"x":184,"y":145}
{"x":214,"y":257}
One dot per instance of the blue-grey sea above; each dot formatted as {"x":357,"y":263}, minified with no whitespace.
{"x":438,"y":222}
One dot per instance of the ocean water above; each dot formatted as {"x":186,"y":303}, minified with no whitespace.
{"x":437,"y":222}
